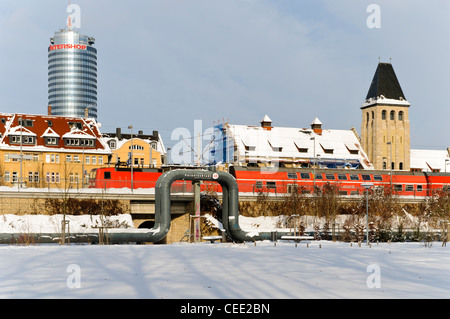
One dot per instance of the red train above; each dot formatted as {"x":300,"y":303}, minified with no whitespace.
{"x":285,"y":180}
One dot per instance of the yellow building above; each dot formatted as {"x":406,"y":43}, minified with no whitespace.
{"x":49,"y":151}
{"x":141,"y":150}
{"x":385,"y":128}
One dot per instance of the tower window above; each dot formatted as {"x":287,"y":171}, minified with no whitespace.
{"x":383,"y":115}
{"x":400,"y":116}
{"x":392,"y":115}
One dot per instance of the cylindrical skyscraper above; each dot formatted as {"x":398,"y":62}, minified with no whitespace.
{"x":72,"y":74}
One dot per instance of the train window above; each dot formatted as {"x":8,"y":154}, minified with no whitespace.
{"x":259,"y":184}
{"x":409,"y":188}
{"x":342,"y":177}
{"x":354,"y":177}
{"x":292,"y":175}
{"x":318,"y":176}
{"x":398,"y":187}
{"x":377,"y":178}
{"x":107,"y":175}
{"x":419,"y":188}
{"x":329,"y":176}
{"x":271,"y":184}
{"x":304,"y":175}
{"x":366,"y":177}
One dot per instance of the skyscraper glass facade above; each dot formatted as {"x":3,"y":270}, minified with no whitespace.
{"x":72,"y":74}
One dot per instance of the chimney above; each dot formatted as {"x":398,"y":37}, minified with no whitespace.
{"x":119,"y":133}
{"x":86,"y":113}
{"x":140,"y":133}
{"x":266,"y":123}
{"x":316,"y":126}
{"x":49,"y":110}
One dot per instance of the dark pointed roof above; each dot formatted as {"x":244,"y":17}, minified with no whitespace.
{"x":385,"y":83}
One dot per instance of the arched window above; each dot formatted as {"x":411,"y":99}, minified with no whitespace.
{"x":400,"y":165}
{"x":373,"y":115}
{"x":392,"y":115}
{"x":400,"y":116}
{"x":383,"y":115}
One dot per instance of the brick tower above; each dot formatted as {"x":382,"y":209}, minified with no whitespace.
{"x":385,"y":132}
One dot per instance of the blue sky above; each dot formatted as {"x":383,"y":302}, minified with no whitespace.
{"x":165,"y":63}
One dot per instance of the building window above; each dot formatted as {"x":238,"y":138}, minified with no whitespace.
{"x":400,"y":116}
{"x":68,"y":158}
{"x":26,"y":123}
{"x":51,"y":141}
{"x":88,"y":159}
{"x":14,"y":177}
{"x":392,"y":115}
{"x":15,"y":139}
{"x":36,"y":177}
{"x":400,"y":165}
{"x":76,"y":158}
{"x":7,"y":177}
{"x":100,"y":160}
{"x":94,"y":160}
{"x":383,"y":115}
{"x":30,"y":177}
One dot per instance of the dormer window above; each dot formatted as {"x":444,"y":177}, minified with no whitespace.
{"x":26,"y":140}
{"x":112,"y":145}
{"x":51,"y":141}
{"x":77,"y":142}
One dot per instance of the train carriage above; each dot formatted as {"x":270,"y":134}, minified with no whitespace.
{"x":286,"y":180}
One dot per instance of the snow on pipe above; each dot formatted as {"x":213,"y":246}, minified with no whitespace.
{"x":230,"y":214}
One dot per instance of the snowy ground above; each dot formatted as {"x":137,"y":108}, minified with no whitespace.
{"x":220,"y":271}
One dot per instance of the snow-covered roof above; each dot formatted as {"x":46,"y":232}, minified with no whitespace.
{"x":49,"y":132}
{"x":20,"y":130}
{"x":76,"y":133}
{"x":254,"y":143}
{"x":41,"y":126}
{"x":266,"y":119}
{"x":316,"y":121}
{"x":429,"y":160}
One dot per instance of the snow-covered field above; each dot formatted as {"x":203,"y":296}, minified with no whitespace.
{"x":318,"y":269}
{"x":325,"y":269}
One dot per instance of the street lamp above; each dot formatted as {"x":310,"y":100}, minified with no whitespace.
{"x":314,"y":167}
{"x":390,"y":164}
{"x":131,"y":156}
{"x":367,"y":186}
